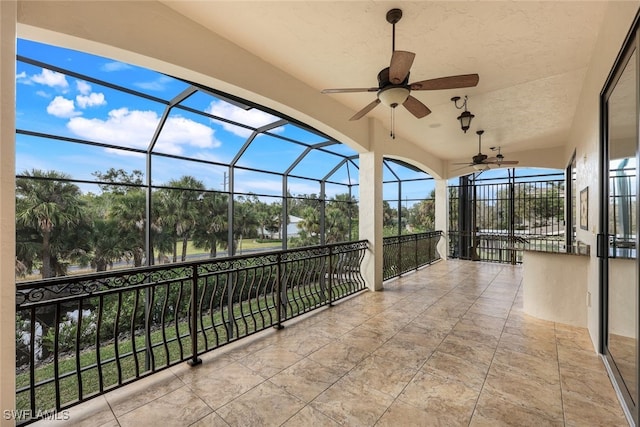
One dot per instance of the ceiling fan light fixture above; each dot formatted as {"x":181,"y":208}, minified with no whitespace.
{"x":392,"y":96}
{"x":481,"y":167}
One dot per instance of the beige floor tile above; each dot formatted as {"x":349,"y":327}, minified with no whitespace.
{"x":583,"y":411}
{"x":491,"y":323}
{"x":365,"y":338}
{"x":180,"y":407}
{"x":352,"y":404}
{"x":528,"y":392}
{"x":460,"y":347}
{"x":405,"y":415}
{"x":525,"y":365}
{"x":385,"y":375}
{"x":544,"y":349}
{"x":471,"y":332}
{"x":308,"y":416}
{"x":440,"y":396}
{"x":209,"y":366}
{"x":592,"y":385}
{"x":211,"y":420}
{"x":461,"y":369}
{"x":95,"y":412}
{"x":341,"y":356}
{"x":490,"y":308}
{"x":412,"y":356}
{"x":436,"y":327}
{"x":576,"y":360}
{"x":307,"y":379}
{"x":270,"y":360}
{"x":493,"y":411}
{"x":142,"y":392}
{"x":229,"y":383}
{"x":303,"y":340}
{"x":264,"y":405}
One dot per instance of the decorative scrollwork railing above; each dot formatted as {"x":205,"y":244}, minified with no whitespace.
{"x":408,"y":252}
{"x":80,"y":336}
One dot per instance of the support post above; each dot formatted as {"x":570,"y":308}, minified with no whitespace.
{"x":195,"y":360}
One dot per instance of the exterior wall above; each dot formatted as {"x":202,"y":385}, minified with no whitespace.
{"x":585,"y":139}
{"x":7,"y":211}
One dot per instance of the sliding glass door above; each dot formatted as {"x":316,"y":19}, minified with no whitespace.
{"x":618,"y":240}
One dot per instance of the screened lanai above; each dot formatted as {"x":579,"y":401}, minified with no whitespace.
{"x":215,"y":175}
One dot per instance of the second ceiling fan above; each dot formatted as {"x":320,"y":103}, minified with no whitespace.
{"x":393,"y":82}
{"x":483,"y":162}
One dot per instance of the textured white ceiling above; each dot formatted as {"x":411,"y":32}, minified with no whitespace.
{"x":531,"y":57}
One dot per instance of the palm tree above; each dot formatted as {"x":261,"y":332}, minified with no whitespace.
{"x":128,"y":211}
{"x":212,"y":222}
{"x":48,"y":203}
{"x":179,"y":211}
{"x":245,"y":220}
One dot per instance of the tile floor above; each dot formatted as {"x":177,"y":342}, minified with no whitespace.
{"x":448,"y":345}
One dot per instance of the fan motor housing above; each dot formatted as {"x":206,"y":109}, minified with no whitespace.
{"x":479,"y":158}
{"x":383,"y":79}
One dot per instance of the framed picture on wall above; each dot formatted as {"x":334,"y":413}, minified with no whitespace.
{"x":584,"y":208}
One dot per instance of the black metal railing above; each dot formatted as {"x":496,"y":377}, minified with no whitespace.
{"x":80,"y":336}
{"x":496,"y":219}
{"x":405,"y":253}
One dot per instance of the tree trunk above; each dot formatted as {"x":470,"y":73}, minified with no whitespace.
{"x":46,"y":255}
{"x":213,"y":250}
{"x":185,"y":243}
{"x":175,"y":250}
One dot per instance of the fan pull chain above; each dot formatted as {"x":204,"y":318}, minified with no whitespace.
{"x":393,"y":123}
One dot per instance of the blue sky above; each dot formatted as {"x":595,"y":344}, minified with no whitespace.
{"x":54,"y":103}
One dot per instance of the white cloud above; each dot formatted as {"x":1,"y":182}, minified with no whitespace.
{"x":62,"y":107}
{"x":43,"y":94}
{"x":178,"y":130}
{"x":83,"y":87}
{"x":114,"y":66}
{"x":135,"y":129}
{"x":253,"y":117}
{"x":158,"y":84}
{"x":21,"y":76}
{"x":91,"y":100}
{"x":51,"y":79}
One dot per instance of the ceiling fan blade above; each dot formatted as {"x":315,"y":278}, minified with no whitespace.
{"x":365,"y":110}
{"x":508,"y":162}
{"x":451,"y":82}
{"x":416,"y":107}
{"x":349,"y":90}
{"x":401,"y":62}
{"x":459,"y":169}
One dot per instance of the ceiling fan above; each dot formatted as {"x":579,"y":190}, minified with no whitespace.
{"x":393,"y":82}
{"x":482,"y":162}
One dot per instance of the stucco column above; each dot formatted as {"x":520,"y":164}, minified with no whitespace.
{"x":7,"y":210}
{"x":370,"y":224}
{"x":442,"y":216}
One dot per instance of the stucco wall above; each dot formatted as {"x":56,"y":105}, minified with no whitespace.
{"x":7,"y":212}
{"x":555,"y":287}
{"x":585,"y":138}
